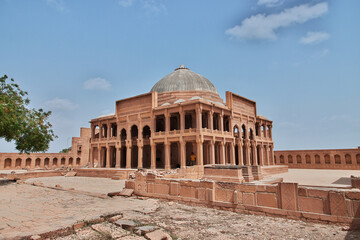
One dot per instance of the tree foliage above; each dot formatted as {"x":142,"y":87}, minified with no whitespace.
{"x":29,"y":128}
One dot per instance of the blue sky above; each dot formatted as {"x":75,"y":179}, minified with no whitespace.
{"x":299,"y":60}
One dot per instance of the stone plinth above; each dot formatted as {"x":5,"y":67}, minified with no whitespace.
{"x":224,"y":173}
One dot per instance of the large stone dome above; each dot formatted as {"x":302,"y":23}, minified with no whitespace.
{"x":182,"y":79}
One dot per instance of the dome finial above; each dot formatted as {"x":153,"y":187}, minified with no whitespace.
{"x":181,"y":67}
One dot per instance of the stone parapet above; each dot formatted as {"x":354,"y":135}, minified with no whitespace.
{"x":282,"y":199}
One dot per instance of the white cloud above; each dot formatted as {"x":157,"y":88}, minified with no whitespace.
{"x":58,"y":4}
{"x":97,"y":84}
{"x":270,"y":3}
{"x":314,"y":37}
{"x":61,"y":103}
{"x":126,"y":3}
{"x":151,"y":6}
{"x":261,"y":26}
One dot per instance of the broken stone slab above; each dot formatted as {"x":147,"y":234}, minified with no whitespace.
{"x":132,"y":237}
{"x":70,"y":174}
{"x":35,"y":237}
{"x":125,"y":193}
{"x":158,"y":235}
{"x":126,"y":224}
{"x":115,"y":218}
{"x":109,"y":229}
{"x":145,"y":229}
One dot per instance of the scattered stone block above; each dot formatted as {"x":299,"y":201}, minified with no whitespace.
{"x":79,"y":225}
{"x":70,"y":174}
{"x":35,"y":237}
{"x":58,"y":186}
{"x":115,"y":218}
{"x":109,"y":229}
{"x":125,"y":193}
{"x":88,"y":233}
{"x":20,"y":181}
{"x":145,"y":229}
{"x":158,"y":235}
{"x":126,"y":224}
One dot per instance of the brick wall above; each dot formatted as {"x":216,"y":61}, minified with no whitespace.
{"x":320,"y":159}
{"x":78,"y":156}
{"x":282,"y":199}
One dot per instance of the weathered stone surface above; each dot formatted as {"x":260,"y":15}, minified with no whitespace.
{"x":115,"y":218}
{"x":109,"y":229}
{"x":126,"y":224}
{"x":145,"y":229}
{"x":158,"y":235}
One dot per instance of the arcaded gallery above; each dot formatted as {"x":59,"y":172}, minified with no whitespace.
{"x":182,"y":115}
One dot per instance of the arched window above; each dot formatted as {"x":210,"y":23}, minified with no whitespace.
{"x":77,"y":161}
{"x":46,"y":162}
{"x":317,"y":159}
{"x":18,"y":163}
{"x":134,"y":131}
{"x":298,"y":159}
{"x":28,"y":162}
{"x":37,"y":162}
{"x":358,"y":158}
{"x":123,"y":134}
{"x":307,"y":159}
{"x":251,"y":134}
{"x":71,"y":161}
{"x":337,"y":159}
{"x":55,"y":162}
{"x":348,"y":159}
{"x":236,"y":131}
{"x":62,"y":161}
{"x":290,"y":159}
{"x":327,"y":158}
{"x":7,"y":163}
{"x":243,"y":131}
{"x":146,"y":132}
{"x":282,"y":159}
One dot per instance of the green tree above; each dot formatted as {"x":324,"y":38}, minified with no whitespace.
{"x":28,"y":128}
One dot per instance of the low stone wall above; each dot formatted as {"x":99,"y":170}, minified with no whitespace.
{"x":35,"y":174}
{"x":104,"y":172}
{"x":320,"y":159}
{"x":282,"y":199}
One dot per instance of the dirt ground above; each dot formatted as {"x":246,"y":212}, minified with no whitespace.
{"x":28,"y":210}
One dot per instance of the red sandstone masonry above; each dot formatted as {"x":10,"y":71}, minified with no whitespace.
{"x":282,"y":199}
{"x":320,"y":159}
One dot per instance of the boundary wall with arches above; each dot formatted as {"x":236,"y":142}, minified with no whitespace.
{"x":78,"y":156}
{"x":320,"y":159}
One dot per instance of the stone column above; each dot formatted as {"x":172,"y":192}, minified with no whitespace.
{"x":254,"y":153}
{"x":211,"y":121}
{"x":107,"y":156}
{"x":99,"y":157}
{"x":153,"y":155}
{"x":128,"y":154}
{"x":91,"y":157}
{"x":182,"y":120}
{"x":232,"y":153}
{"x":247,"y":152}
{"x":222,"y":122}
{"x":167,"y":154}
{"x":182,"y":153}
{"x":222,"y":152}
{"x":108,"y":131}
{"x":199,"y":158}
{"x":271,"y":151}
{"x":167,"y":122}
{"x":261,"y":155}
{"x":212,"y":152}
{"x":140,"y":155}
{"x":240,"y":152}
{"x":118,"y":156}
{"x":198,"y":118}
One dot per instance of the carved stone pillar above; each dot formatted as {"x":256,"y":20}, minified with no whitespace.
{"x":153,"y":155}
{"x":240,"y":152}
{"x":128,"y":154}
{"x":198,"y":118}
{"x":254,"y":153}
{"x":182,"y":121}
{"x":222,"y":152}
{"x":118,"y":155}
{"x":211,"y":121}
{"x":261,"y":155}
{"x":199,"y":159}
{"x":182,"y":153}
{"x":212,"y":152}
{"x":247,"y":152}
{"x":232,"y":153}
{"x":167,"y":154}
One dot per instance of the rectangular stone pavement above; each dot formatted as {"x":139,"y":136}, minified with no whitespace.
{"x":27,"y":209}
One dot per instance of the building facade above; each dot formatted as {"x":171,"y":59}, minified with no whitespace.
{"x":182,"y":115}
